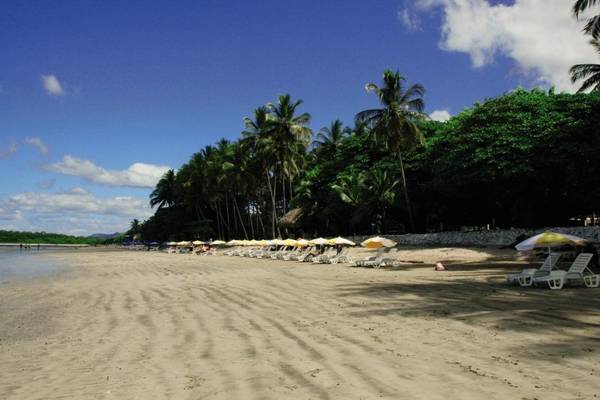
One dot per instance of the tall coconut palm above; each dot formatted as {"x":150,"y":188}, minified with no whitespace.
{"x":164,"y":195}
{"x":589,"y":72}
{"x":290,"y":136}
{"x":593,"y":24}
{"x":257,"y":139}
{"x":395,"y":123}
{"x":332,"y":135}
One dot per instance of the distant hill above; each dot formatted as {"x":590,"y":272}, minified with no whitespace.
{"x":104,"y":236}
{"x":45,"y":237}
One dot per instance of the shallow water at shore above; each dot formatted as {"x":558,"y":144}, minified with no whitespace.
{"x":25,"y":264}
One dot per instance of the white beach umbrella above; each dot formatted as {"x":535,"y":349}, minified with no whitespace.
{"x":172,"y":244}
{"x":233,"y":242}
{"x":197,"y":242}
{"x":319,"y":241}
{"x":217,"y":243}
{"x":341,"y":241}
{"x":184,"y":243}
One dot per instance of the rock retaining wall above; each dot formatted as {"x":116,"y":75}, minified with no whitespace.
{"x":495,"y":238}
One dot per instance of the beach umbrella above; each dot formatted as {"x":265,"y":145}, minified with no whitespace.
{"x":341,"y":241}
{"x":184,"y":243}
{"x":290,"y":242}
{"x":197,"y":242}
{"x":302,"y":242}
{"x":232,"y":243}
{"x":217,"y":243}
{"x":172,"y":244}
{"x":548,"y":239}
{"x":277,"y":242}
{"x":378,"y":243}
{"x":319,"y":241}
{"x":264,"y":243}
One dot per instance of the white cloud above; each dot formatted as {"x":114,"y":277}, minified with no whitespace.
{"x":440,"y":115}
{"x":37,"y":143}
{"x":541,"y":36}
{"x":52,"y":85}
{"x":9,"y":150}
{"x":410,"y":19}
{"x":137,"y":175}
{"x":76,"y":211}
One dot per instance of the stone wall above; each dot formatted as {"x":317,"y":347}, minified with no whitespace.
{"x":492,"y":238}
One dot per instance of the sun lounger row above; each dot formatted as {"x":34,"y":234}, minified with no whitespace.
{"x":547,"y":275}
{"x":291,"y":253}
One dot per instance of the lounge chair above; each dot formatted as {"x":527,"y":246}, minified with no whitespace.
{"x":324,"y":258}
{"x":579,"y":271}
{"x":342,"y":257}
{"x":525,"y":277}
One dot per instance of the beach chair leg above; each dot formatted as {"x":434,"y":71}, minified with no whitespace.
{"x":591,"y":281}
{"x":556,"y":283}
{"x":525,"y":280}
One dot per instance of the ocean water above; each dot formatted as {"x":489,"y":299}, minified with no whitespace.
{"x":24,"y":264}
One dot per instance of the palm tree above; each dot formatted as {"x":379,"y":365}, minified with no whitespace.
{"x":395,"y":123}
{"x":589,"y":72}
{"x":289,"y":137}
{"x":593,"y":25}
{"x":165,"y":192}
{"x":382,"y":192}
{"x":331,"y":135}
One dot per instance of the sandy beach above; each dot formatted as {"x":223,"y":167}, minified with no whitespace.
{"x":139,"y":325}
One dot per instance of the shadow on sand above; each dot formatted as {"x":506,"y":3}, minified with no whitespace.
{"x":476,"y":294}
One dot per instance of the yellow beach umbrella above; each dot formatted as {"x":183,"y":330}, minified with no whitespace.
{"x":341,"y":241}
{"x":378,"y":242}
{"x":290,"y":242}
{"x":548,"y":239}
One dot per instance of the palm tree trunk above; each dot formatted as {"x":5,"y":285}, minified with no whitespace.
{"x":274,"y":211}
{"x":283,"y":192}
{"x":406,"y":198}
{"x":240,"y":215}
{"x":251,"y":224}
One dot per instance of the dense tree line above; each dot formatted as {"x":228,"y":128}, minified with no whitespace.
{"x":44,"y":237}
{"x":525,"y":159}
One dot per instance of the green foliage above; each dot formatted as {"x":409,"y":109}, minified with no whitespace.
{"x":524,"y":159}
{"x":44,"y":237}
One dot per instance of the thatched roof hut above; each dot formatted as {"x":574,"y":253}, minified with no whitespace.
{"x":291,"y":219}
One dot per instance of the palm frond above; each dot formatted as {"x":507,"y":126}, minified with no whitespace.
{"x":582,"y":5}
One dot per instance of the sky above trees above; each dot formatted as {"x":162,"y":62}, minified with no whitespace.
{"x":97,"y":100}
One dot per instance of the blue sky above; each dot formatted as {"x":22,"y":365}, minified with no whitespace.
{"x":89,"y":89}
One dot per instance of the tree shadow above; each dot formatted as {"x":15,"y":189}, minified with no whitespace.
{"x":479,"y":296}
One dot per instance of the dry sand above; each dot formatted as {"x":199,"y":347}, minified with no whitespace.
{"x":141,"y":325}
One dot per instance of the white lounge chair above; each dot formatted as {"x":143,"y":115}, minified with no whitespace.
{"x":525,"y":277}
{"x":579,"y":271}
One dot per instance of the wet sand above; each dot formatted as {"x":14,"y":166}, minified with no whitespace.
{"x":139,"y":325}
